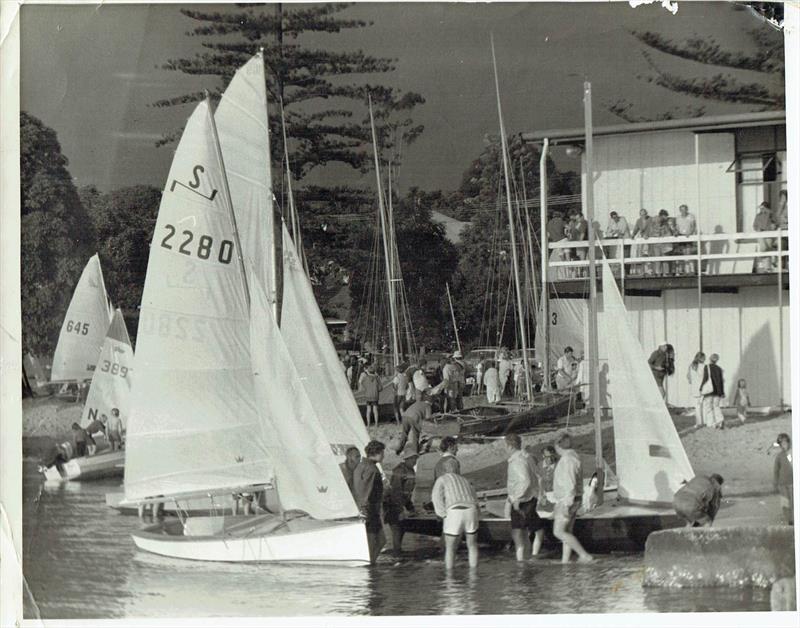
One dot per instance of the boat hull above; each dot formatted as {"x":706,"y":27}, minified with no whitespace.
{"x":500,"y":419}
{"x":610,"y":528}
{"x":258,"y":539}
{"x":100,"y":466}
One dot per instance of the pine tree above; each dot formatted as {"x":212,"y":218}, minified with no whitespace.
{"x":731,"y":85}
{"x":318,"y":88}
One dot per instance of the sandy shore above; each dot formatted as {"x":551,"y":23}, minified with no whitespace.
{"x":742,"y":454}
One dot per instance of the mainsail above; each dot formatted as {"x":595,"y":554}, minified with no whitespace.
{"x":651,"y":461}
{"x":194,"y":426}
{"x":306,"y":474}
{"x":313,"y":354}
{"x":84,"y":327}
{"x":566,"y":328}
{"x":111,"y":382}
{"x":242,"y":124}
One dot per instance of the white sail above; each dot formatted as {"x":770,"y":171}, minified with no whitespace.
{"x":84,"y":328}
{"x":111,"y":383}
{"x":243,"y":129}
{"x":307,"y":475}
{"x":309,"y":343}
{"x":566,"y":326}
{"x":651,"y":460}
{"x":194,"y":427}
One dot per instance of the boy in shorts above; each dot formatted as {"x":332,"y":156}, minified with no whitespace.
{"x":455,"y":501}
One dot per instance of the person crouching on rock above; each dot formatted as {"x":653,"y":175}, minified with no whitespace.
{"x":698,"y":501}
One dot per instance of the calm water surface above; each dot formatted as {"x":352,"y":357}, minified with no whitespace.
{"x":80,"y":562}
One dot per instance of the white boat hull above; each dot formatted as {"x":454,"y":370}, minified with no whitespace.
{"x":258,"y":539}
{"x":103,"y":465}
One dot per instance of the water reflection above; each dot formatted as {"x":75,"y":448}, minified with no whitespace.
{"x":80,"y":562}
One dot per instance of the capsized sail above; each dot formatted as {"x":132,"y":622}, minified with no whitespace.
{"x":194,"y":427}
{"x":84,"y":328}
{"x":111,"y":382}
{"x":313,"y":354}
{"x":243,"y":130}
{"x":651,"y":460}
{"x":307,"y":475}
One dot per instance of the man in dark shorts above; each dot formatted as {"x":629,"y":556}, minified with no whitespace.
{"x":80,"y":439}
{"x":368,"y":493}
{"x":523,"y":486}
{"x":398,"y":499}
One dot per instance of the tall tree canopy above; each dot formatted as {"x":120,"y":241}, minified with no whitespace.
{"x":319,"y":88}
{"x":55,"y":238}
{"x":123,"y":223}
{"x":733,"y":83}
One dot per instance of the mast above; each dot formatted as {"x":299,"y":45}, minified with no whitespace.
{"x":593,"y":345}
{"x":452,"y":314}
{"x":227,"y":196}
{"x":544,"y":249}
{"x":385,"y":232}
{"x":515,"y":261}
{"x":273,"y":254}
{"x":534,"y":290}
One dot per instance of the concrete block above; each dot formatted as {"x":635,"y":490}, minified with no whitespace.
{"x":719,"y":557}
{"x":783,"y":596}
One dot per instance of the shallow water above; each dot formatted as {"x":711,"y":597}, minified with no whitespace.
{"x":80,"y":562}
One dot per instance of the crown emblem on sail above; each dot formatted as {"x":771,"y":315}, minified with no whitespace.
{"x":239,"y":458}
{"x":322,"y":489}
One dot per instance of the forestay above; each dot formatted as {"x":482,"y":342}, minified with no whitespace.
{"x":111,"y":383}
{"x":651,"y":461}
{"x":307,"y":476}
{"x":309,"y":343}
{"x":243,"y":129}
{"x":84,"y":328}
{"x":194,"y":427}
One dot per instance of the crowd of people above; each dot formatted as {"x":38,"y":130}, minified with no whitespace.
{"x":83,"y":441}
{"x":549,"y":487}
{"x":575,"y":228}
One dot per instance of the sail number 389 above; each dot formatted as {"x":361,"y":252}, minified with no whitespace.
{"x":203,"y":247}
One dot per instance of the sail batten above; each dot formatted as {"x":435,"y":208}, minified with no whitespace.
{"x":651,"y":460}
{"x":84,"y":328}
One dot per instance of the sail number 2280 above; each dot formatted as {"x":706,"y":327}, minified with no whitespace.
{"x":202,"y":247}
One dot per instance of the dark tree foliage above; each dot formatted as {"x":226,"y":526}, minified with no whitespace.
{"x":322,"y":90}
{"x":123,"y":223}
{"x":55,"y":238}
{"x":732,"y":84}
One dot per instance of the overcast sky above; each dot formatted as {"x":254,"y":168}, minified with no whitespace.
{"x":91,"y":71}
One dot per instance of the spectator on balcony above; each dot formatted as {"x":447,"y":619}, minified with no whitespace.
{"x":578,"y":231}
{"x":617,"y":229}
{"x":764,"y":222}
{"x":782,"y":219}
{"x":661,"y":227}
{"x":641,"y":230}
{"x":557,"y":231}
{"x":686,"y":226}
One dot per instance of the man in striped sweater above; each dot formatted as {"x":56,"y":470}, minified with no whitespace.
{"x":455,"y":501}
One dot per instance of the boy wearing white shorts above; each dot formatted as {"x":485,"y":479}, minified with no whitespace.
{"x":455,"y":501}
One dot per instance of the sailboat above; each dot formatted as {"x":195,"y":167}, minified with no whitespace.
{"x":84,"y":328}
{"x":110,"y":388}
{"x":218,"y":406}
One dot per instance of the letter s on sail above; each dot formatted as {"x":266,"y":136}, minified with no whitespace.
{"x":196,"y":172}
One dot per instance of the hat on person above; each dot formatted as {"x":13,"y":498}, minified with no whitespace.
{"x":457,"y":354}
{"x":613,"y":214}
{"x":714,"y":358}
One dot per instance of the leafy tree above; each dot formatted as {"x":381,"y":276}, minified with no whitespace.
{"x":55,"y":237}
{"x":318,"y":87}
{"x":730,"y":85}
{"x":123,"y":223}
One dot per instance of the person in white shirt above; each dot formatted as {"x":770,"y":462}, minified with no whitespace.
{"x":617,"y":229}
{"x":522,"y":489}
{"x":568,"y":493}
{"x":686,"y":225}
{"x":455,"y":501}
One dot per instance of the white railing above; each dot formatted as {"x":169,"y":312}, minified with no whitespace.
{"x":718,"y":254}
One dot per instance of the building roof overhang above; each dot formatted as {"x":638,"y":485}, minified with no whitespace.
{"x":695,"y":125}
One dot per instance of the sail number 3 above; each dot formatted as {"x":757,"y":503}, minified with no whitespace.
{"x":205,"y":244}
{"x":78,"y":327}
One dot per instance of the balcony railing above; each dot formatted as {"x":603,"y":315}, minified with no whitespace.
{"x":717,"y":254}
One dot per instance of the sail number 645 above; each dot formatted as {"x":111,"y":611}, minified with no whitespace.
{"x":205,"y":244}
